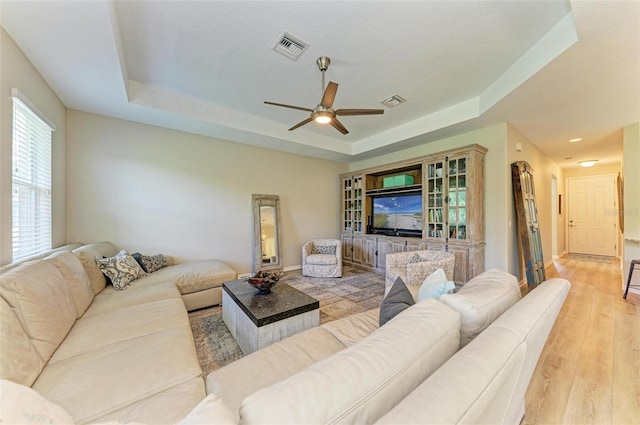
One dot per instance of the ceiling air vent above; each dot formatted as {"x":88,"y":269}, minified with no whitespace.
{"x":290,"y":45}
{"x":393,"y":101}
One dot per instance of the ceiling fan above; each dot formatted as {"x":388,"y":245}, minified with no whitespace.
{"x":324,"y":113}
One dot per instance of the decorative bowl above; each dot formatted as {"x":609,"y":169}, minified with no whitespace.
{"x":264,"y":281}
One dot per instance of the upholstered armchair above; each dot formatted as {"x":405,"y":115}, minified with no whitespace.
{"x":414,"y":266}
{"x":322,"y":258}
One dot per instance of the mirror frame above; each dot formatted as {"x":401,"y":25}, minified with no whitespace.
{"x":258,"y":201}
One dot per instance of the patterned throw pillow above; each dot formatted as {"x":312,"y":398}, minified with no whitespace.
{"x":150,"y":263}
{"x":122,"y":269}
{"x":323,"y":249}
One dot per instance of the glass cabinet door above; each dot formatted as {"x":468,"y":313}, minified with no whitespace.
{"x":357,"y":204}
{"x":435,"y":199}
{"x":457,"y":198}
{"x":352,"y":204}
{"x":347,"y":204}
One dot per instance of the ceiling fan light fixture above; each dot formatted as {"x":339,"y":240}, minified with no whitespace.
{"x":589,"y":163}
{"x":321,"y":115}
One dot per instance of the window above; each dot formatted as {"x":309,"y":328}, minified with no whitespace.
{"x":31,"y":179}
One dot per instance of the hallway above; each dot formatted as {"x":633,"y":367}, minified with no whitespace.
{"x":589,"y":370}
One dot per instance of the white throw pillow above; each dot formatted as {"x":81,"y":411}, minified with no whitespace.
{"x":434,"y":285}
{"x":22,"y":405}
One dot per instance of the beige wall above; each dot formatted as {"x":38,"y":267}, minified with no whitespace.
{"x":17,"y":72}
{"x":631,"y":177}
{"x":544,"y":170}
{"x":155,"y":190}
{"x":596,"y":170}
{"x":497,"y":184}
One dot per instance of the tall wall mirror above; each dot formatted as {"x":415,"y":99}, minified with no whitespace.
{"x":267,"y":233}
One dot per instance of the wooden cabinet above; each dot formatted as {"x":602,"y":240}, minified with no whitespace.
{"x":451,"y":184}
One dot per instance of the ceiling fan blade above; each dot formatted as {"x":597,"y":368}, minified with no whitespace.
{"x":300,"y":108}
{"x":344,"y":112}
{"x":301,"y":123}
{"x":338,"y":126}
{"x":329,"y":95}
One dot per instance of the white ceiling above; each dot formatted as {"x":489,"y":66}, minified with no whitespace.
{"x":556,"y":70}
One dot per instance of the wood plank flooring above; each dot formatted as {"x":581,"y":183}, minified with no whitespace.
{"x":589,"y":370}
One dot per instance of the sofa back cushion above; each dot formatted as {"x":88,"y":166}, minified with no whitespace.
{"x":87,"y":255}
{"x":482,"y":300}
{"x":42,"y":301}
{"x":364,"y":381}
{"x":76,"y":277}
{"x":19,"y":360}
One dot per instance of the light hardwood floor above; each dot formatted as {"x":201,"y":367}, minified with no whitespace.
{"x":589,"y":370}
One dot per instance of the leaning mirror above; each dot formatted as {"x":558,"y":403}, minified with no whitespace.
{"x":267,"y":239}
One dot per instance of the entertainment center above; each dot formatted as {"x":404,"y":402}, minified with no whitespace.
{"x":432,"y":202}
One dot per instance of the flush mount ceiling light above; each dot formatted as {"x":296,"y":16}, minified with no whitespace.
{"x":575,"y":140}
{"x":589,"y":163}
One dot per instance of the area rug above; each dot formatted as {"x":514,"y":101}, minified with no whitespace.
{"x":592,"y":258}
{"x":356,"y":291}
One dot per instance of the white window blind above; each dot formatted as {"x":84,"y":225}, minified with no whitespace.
{"x":31,"y":180}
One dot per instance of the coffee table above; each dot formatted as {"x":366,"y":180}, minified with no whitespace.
{"x":257,"y":320}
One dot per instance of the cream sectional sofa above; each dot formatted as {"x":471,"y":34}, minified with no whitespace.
{"x":98,"y":353}
{"x":440,"y":361}
{"x":463,"y":358}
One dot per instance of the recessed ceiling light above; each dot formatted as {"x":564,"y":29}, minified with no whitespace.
{"x":588,"y":163}
{"x":575,"y":140}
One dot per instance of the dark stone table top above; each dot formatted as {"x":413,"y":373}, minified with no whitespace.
{"x":283,"y":301}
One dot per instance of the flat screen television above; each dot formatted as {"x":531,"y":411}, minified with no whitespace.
{"x":399,"y":215}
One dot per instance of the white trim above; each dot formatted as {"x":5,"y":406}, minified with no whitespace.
{"x":19,"y":95}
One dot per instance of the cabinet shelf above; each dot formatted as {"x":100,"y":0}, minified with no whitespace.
{"x":392,"y":190}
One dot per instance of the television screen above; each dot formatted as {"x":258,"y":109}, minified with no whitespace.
{"x":398,"y":212}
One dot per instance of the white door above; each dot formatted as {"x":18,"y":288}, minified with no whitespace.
{"x":592,"y":215}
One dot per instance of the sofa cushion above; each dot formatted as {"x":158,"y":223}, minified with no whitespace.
{"x":165,"y":407}
{"x":19,"y":360}
{"x":94,"y":384}
{"x":87,"y":255}
{"x":22,"y":405}
{"x":322,"y":259}
{"x":122,"y":269}
{"x":42,"y":301}
{"x":192,"y":276}
{"x":323,"y":249}
{"x":482,"y":300}
{"x":104,"y":329}
{"x":397,"y":300}
{"x":270,"y":365}
{"x":352,"y":329}
{"x":110,"y":299}
{"x":76,"y":277}
{"x":362,"y":382}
